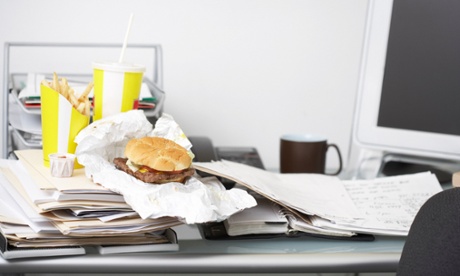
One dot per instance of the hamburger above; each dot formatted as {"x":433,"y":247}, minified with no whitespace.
{"x":155,"y":160}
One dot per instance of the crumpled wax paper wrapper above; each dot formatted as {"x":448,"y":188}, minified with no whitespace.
{"x":199,"y":200}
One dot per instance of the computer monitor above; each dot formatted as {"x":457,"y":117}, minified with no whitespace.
{"x":409,"y":87}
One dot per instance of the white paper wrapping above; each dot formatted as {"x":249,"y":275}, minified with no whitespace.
{"x":198,"y":200}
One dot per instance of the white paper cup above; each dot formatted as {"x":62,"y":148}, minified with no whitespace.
{"x":116,"y":88}
{"x":61,"y":164}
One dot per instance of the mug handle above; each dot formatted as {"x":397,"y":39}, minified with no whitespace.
{"x":340,"y":158}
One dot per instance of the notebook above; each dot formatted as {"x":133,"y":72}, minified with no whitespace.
{"x":265,"y":218}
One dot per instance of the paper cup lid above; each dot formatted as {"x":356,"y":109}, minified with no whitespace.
{"x":118,"y":67}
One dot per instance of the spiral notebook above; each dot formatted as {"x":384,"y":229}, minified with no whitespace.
{"x":269,"y":219}
{"x":265,"y":218}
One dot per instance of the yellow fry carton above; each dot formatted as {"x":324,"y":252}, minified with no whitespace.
{"x":61,"y":122}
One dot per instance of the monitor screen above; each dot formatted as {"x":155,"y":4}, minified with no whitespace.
{"x":409,"y":93}
{"x":422,"y":67}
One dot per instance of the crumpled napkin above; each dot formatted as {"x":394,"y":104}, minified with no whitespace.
{"x":199,"y":200}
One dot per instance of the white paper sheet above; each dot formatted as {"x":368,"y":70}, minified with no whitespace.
{"x":312,"y":194}
{"x":36,"y":194}
{"x":392,"y":202}
{"x":15,"y":206}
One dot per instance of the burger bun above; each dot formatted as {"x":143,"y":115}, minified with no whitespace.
{"x":158,"y":153}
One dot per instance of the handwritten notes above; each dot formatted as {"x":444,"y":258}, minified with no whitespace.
{"x":392,"y":202}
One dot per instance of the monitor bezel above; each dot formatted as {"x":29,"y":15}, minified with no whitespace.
{"x":366,"y":132}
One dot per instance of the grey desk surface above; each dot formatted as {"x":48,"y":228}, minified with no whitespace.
{"x":280,"y":255}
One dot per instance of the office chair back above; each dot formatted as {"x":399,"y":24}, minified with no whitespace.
{"x":433,"y":243}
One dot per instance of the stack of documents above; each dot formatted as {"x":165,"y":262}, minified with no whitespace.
{"x":60,"y":215}
{"x":325,"y":205}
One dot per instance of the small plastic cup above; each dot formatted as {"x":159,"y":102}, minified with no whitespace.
{"x":116,"y":88}
{"x":61,"y":164}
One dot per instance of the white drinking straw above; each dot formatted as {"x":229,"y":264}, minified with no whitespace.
{"x":125,"y":42}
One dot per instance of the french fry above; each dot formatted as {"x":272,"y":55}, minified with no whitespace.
{"x":81,"y":108}
{"x":56,"y":85}
{"x":73,"y":99}
{"x":45,"y":83}
{"x":87,"y":90}
{"x":64,"y":84}
{"x":81,"y":103}
{"x":87,"y":107}
{"x":64,"y":93}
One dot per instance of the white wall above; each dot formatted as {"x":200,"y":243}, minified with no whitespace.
{"x":242,"y":72}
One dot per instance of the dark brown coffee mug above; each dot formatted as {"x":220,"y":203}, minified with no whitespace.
{"x":305,"y":153}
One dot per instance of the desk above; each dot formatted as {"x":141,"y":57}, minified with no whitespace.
{"x":280,"y":255}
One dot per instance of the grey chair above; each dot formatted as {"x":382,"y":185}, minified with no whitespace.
{"x":433,"y":243}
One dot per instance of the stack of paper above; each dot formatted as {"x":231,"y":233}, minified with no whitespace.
{"x":326,"y":205}
{"x":39,"y":211}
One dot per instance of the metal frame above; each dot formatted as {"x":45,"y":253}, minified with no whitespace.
{"x":157,"y":74}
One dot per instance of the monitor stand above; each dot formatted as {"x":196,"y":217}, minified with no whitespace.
{"x":395,"y":164}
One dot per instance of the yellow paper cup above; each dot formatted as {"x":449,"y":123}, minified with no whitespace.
{"x":116,"y":88}
{"x":61,"y":123}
